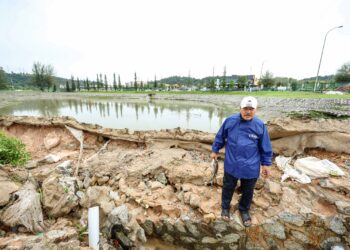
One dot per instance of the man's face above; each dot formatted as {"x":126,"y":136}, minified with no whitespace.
{"x":247,"y":113}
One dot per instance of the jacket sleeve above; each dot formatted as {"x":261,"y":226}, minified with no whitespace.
{"x":265,"y":148}
{"x":220,"y":138}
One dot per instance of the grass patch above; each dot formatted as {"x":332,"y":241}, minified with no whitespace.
{"x":12,"y":151}
{"x":82,"y":231}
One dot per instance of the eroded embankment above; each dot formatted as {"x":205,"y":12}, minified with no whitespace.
{"x":155,"y":185}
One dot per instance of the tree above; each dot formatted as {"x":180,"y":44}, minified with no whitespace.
{"x":67,"y":86}
{"x":106,"y":83}
{"x":73,"y":84}
{"x":231,"y":84}
{"x":141,"y":85}
{"x":38,"y":75}
{"x":101,"y":82}
{"x":42,"y":75}
{"x":242,"y":81}
{"x":119,"y":83}
{"x":135,"y":81}
{"x":223,"y":81}
{"x":3,"y":80}
{"x":343,"y":74}
{"x":267,"y":80}
{"x":97,"y":82}
{"x":78,"y":84}
{"x":189,"y":80}
{"x":212,"y":84}
{"x":49,"y":74}
{"x":114,"y":83}
{"x":155,"y":85}
{"x":87,"y":84}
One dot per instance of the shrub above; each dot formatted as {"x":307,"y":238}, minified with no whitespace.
{"x":12,"y":151}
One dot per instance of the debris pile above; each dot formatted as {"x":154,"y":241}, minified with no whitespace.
{"x":158,"y":184}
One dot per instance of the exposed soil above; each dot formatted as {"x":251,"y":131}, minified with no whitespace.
{"x":163,"y":179}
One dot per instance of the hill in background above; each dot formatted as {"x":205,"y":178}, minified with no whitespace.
{"x":24,"y":80}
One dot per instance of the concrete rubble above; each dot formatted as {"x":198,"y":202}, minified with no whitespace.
{"x":156,"y":185}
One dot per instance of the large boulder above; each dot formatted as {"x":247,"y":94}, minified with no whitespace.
{"x":51,"y":140}
{"x":59,"y":195}
{"x":25,"y":210}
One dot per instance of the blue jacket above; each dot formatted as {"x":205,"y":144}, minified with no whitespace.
{"x":247,"y":146}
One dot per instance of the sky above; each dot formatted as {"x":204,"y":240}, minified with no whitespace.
{"x":164,"y":38}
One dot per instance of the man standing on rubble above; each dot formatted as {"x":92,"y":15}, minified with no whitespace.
{"x":247,"y":147}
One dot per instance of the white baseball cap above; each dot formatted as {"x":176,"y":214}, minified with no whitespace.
{"x":249,"y":102}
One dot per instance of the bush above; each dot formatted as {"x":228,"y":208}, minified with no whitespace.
{"x":12,"y":151}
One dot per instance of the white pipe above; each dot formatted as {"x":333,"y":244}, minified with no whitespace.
{"x":94,"y":227}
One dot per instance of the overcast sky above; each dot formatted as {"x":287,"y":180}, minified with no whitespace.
{"x":178,"y":37}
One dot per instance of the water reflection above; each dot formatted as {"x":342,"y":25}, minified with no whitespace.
{"x":133,"y":114}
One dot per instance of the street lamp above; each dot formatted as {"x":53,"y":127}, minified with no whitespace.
{"x":261,"y":70}
{"x":319,"y":65}
{"x":262,"y":65}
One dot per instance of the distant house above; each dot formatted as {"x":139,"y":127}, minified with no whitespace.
{"x":169,"y":87}
{"x":252,"y":80}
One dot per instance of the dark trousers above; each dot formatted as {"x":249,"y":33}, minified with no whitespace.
{"x":247,"y":187}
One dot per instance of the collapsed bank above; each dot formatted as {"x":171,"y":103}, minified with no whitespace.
{"x":155,"y":184}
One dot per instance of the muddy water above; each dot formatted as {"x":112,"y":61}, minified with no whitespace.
{"x":134,"y":114}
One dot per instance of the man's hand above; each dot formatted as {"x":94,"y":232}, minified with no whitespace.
{"x":214,"y":155}
{"x":265,"y":172}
